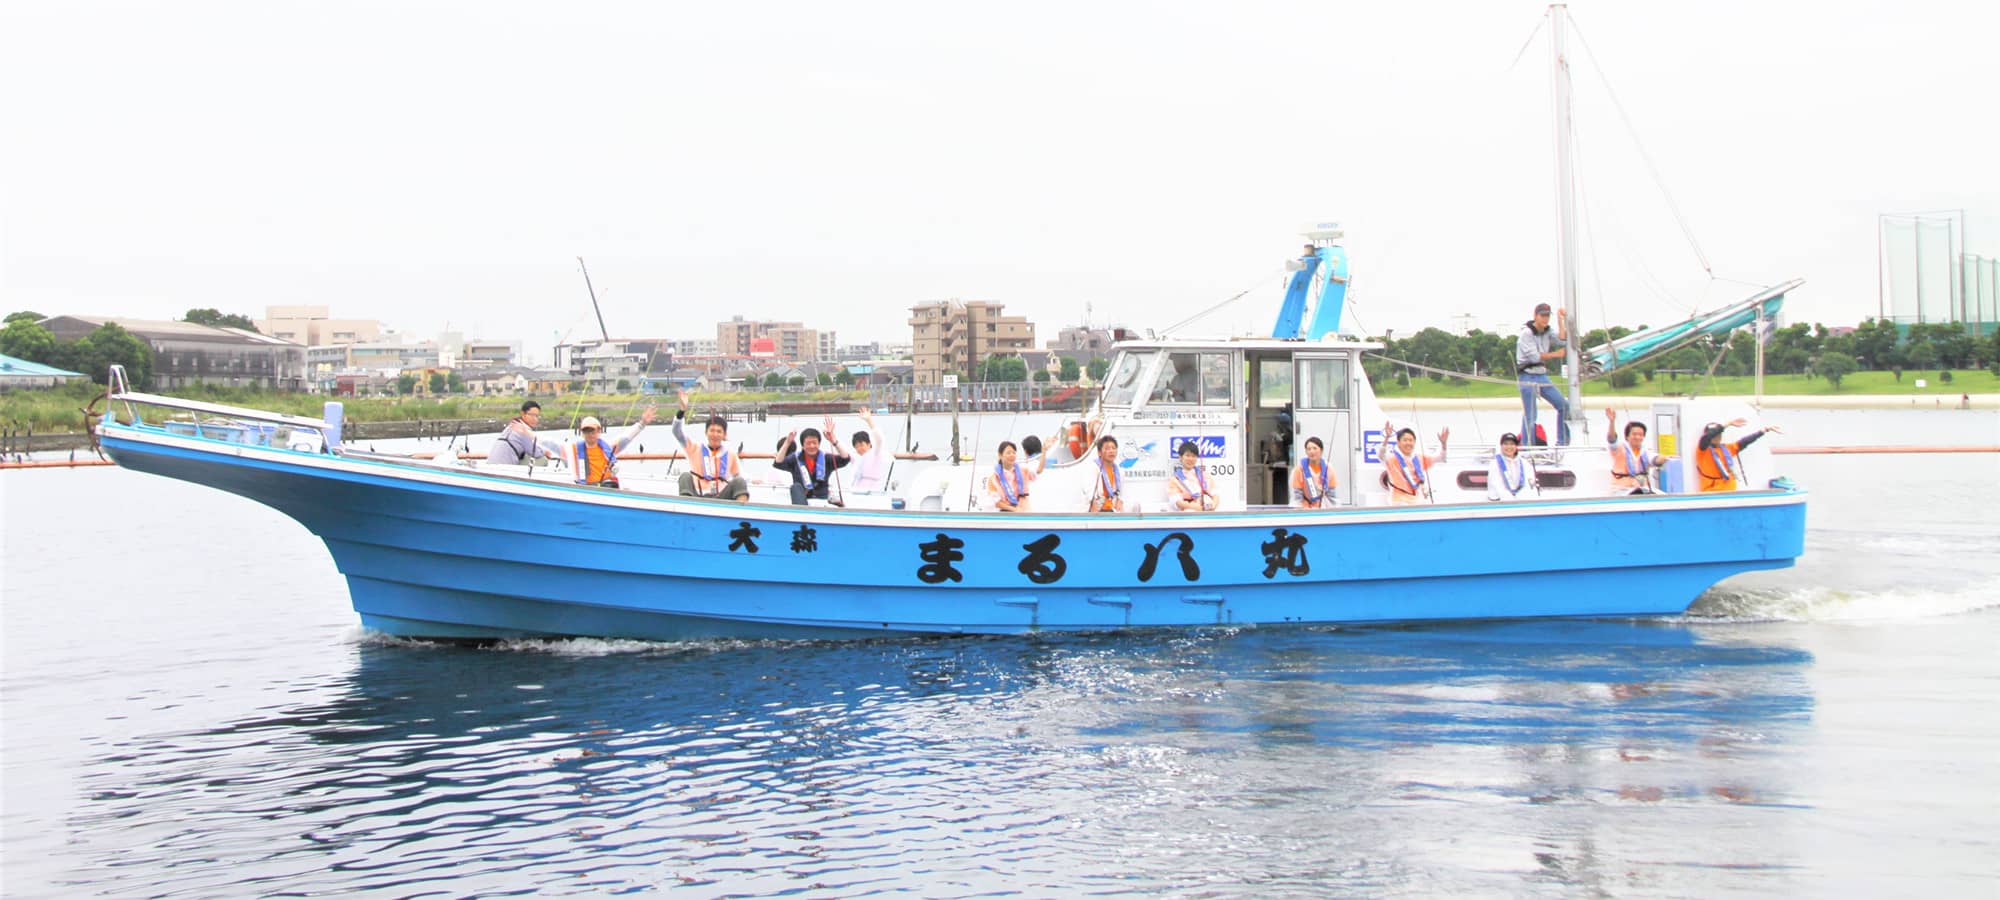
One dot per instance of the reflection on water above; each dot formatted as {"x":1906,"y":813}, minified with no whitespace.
{"x":1272,"y":761}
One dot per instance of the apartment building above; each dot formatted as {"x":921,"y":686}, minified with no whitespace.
{"x":791,"y":340}
{"x":311,"y":326}
{"x":951,"y":337}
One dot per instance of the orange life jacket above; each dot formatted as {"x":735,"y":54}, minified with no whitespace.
{"x":1628,"y":469}
{"x":1200,"y":480}
{"x":1109,"y":481}
{"x":711,"y":467}
{"x":998,"y":485}
{"x":1406,"y":473}
{"x":594,"y":460}
{"x":1313,"y":490}
{"x":1718,"y":467}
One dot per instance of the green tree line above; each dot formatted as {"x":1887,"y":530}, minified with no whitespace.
{"x":92,"y":354}
{"x":1802,"y":349}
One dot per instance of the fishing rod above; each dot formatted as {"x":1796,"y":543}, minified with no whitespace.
{"x":972,"y":483}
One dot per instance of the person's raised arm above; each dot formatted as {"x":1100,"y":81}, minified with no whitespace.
{"x":1610,"y":426}
{"x":874,"y":436}
{"x":1444,"y":438}
{"x":1752,"y":437}
{"x":680,"y":415}
{"x":645,"y":419}
{"x":783,"y":458}
{"x":833,"y":440}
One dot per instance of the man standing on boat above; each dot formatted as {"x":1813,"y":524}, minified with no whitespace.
{"x":1537,"y":345}
{"x":518,"y":443}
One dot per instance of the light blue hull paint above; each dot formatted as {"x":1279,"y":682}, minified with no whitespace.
{"x":449,"y":554}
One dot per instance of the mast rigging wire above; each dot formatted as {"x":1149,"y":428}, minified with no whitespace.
{"x":1239,"y":295}
{"x":1687,"y":231}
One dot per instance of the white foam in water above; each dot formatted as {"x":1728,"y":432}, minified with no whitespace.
{"x":608,"y":646}
{"x":556,"y":647}
{"x":1825,"y":604}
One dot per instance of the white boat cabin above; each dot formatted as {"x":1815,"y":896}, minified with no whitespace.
{"x":1249,"y":405}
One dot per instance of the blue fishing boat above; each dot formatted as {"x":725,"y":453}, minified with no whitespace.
{"x":435,"y":549}
{"x":441,"y":550}
{"x":453,"y":552}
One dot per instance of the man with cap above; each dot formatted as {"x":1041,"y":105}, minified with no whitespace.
{"x":1716,"y":462}
{"x":597,"y":458}
{"x":1532,"y":351}
{"x":1510,"y":476}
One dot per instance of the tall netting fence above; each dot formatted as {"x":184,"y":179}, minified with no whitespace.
{"x":1980,"y":276}
{"x":1928,"y":277}
{"x":1918,"y":258}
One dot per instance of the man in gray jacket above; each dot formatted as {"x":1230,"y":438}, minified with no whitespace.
{"x":1537,"y":345}
{"x":518,"y":443}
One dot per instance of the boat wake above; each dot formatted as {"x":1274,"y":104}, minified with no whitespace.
{"x":576,"y":647}
{"x":1826,"y":604}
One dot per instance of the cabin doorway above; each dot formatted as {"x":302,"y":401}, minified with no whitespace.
{"x":1322,"y":397}
{"x":1268,"y":427}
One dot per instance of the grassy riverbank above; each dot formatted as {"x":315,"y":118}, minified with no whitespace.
{"x":1970,"y":381}
{"x":57,"y":409}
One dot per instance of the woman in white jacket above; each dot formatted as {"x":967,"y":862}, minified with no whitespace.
{"x":1510,"y":476}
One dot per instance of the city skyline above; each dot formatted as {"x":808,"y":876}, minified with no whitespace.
{"x":804,"y":164}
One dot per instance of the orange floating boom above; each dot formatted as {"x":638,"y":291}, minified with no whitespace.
{"x":1806,"y":451}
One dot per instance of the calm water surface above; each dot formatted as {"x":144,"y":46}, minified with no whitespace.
{"x":190,"y":709}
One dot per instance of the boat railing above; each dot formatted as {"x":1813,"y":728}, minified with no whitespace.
{"x":119,"y":389}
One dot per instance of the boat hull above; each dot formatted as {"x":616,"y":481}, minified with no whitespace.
{"x":452,"y":554}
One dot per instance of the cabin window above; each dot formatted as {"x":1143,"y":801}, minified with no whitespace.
{"x":1323,"y":383}
{"x":1179,"y":380}
{"x":1274,"y":383}
{"x":1122,"y":384}
{"x":1215,"y":379}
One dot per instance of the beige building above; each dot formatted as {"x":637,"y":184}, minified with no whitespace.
{"x":309,"y":326}
{"x":186,"y":354}
{"x":951,"y":337}
{"x":791,"y":341}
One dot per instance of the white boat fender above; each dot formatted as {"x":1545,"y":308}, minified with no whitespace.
{"x":331,"y":414}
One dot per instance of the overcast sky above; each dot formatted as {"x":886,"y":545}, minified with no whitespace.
{"x":437,"y":165}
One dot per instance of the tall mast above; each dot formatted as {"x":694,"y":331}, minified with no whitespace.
{"x":1566,"y":208}
{"x":593,"y":300}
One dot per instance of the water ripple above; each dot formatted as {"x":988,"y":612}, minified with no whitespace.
{"x":971,"y":768}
